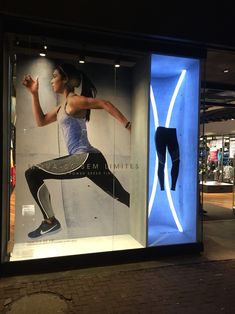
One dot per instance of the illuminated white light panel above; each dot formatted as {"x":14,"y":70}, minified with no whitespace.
{"x":173,"y":98}
{"x":156,"y":124}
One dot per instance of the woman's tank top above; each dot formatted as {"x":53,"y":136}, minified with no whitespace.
{"x":75,"y":133}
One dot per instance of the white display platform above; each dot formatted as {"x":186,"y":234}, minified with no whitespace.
{"x":53,"y":248}
{"x":216,"y":187}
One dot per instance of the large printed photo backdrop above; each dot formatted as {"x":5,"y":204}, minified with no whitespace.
{"x":83,"y":209}
{"x":173,"y":147}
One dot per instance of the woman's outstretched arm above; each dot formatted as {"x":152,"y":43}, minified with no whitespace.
{"x":76,"y":103}
{"x":39,"y":116}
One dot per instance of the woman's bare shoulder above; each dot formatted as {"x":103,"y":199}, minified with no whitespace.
{"x":75,"y":105}
{"x":77,"y":101}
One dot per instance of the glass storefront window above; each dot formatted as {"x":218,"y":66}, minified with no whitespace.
{"x":103,"y":158}
{"x":73,"y":162}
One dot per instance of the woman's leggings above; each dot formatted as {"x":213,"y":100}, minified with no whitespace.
{"x":90,"y":165}
{"x":166,"y":137}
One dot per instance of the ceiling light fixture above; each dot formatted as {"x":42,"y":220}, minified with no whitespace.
{"x":117,"y":63}
{"x":226,"y":70}
{"x":17,"y":42}
{"x":81,"y":59}
{"x":42,"y":53}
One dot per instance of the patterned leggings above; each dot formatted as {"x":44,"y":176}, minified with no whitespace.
{"x":90,"y":165}
{"x":167,"y":138}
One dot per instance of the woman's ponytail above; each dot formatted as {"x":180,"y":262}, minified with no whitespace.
{"x":76,"y":78}
{"x":88,"y":90}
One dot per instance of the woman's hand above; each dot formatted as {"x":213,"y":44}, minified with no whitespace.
{"x":30,"y":84}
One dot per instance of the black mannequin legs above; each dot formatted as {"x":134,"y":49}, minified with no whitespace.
{"x":167,"y":138}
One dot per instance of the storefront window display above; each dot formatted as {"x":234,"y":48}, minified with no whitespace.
{"x":105,"y":157}
{"x":173,"y":141}
{"x":73,"y":156}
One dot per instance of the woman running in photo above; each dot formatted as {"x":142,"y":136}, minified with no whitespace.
{"x":72,"y":117}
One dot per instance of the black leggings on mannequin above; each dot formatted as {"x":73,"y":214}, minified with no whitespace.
{"x":92,"y":166}
{"x":167,"y":138}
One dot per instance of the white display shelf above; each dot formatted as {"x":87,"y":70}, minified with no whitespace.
{"x":216,"y":187}
{"x":54,"y":248}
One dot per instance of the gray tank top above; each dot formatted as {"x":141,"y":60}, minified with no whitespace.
{"x":75,"y":133}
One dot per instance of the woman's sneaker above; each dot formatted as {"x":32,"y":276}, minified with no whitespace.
{"x":45,"y":228}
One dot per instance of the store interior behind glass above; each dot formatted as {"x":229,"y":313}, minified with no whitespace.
{"x":216,"y":154}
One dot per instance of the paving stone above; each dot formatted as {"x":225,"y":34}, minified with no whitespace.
{"x":207,"y":287}
{"x":46,"y":303}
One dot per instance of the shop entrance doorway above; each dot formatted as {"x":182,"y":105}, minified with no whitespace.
{"x":217,"y":154}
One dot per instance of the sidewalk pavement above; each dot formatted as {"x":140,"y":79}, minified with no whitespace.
{"x":186,"y":286}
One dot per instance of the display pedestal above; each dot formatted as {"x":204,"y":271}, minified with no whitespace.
{"x":216,"y":187}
